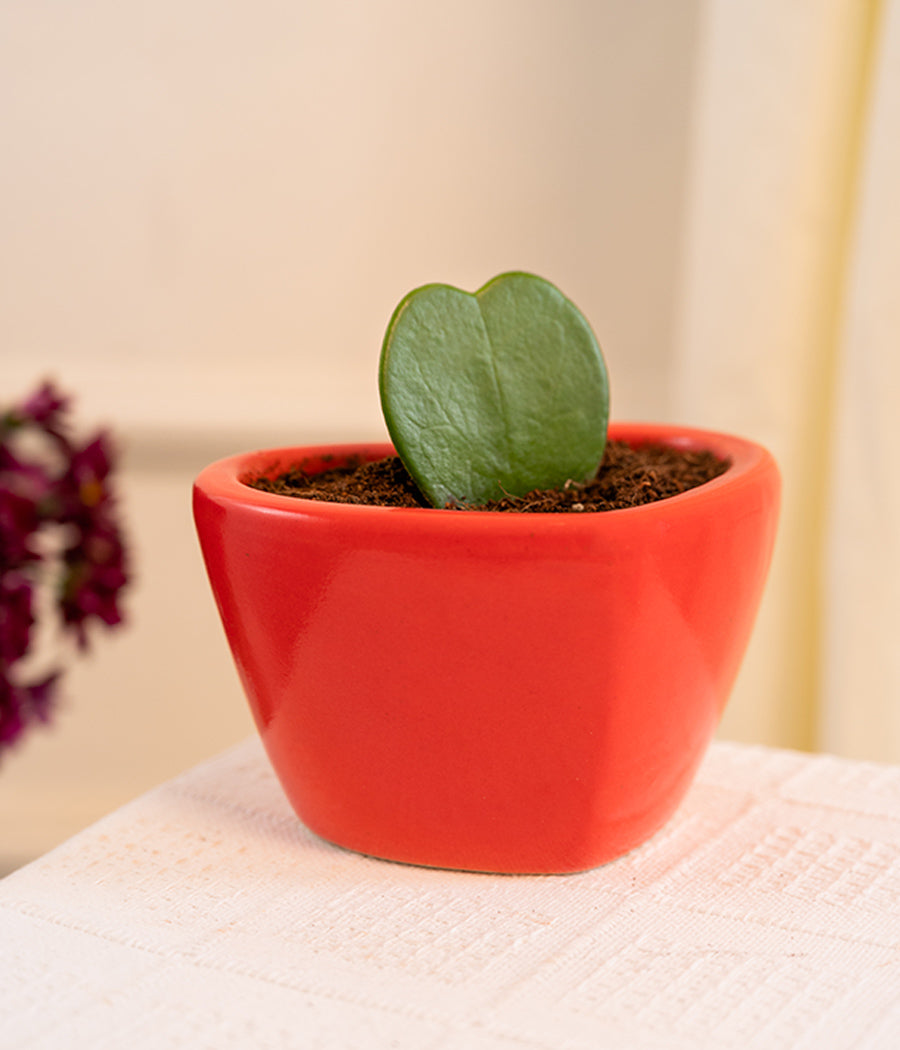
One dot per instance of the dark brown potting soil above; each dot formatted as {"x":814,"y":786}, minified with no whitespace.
{"x":627,"y":477}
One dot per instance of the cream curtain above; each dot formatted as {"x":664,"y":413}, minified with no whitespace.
{"x":790,"y":314}
{"x":861,"y":656}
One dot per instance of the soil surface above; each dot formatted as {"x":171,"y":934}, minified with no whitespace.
{"x":628,"y":477}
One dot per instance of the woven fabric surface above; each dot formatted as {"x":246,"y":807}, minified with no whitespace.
{"x":765,"y":915}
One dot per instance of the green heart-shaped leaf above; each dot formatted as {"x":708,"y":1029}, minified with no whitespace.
{"x":492,"y":394}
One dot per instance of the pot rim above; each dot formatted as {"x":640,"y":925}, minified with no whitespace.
{"x":225,"y":480}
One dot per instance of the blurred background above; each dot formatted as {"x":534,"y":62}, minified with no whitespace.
{"x":208,"y":212}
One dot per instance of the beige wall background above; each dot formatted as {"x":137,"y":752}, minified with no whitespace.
{"x":209,"y":211}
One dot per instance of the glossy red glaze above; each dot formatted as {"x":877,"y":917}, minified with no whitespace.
{"x":492,"y":692}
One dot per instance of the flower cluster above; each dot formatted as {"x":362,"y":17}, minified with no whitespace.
{"x":58,"y":530}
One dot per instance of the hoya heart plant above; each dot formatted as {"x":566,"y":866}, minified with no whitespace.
{"x":520,"y":692}
{"x":494,"y":393}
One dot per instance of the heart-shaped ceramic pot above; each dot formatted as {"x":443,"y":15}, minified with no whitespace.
{"x":492,"y":692}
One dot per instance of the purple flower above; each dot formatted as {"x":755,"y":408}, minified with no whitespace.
{"x":83,"y":496}
{"x":88,"y":469}
{"x":95,"y":560}
{"x":95,"y":575}
{"x":21,"y":705}
{"x":46,"y":407}
{"x":65,"y":491}
{"x":18,"y":523}
{"x":16,"y":618}
{"x":12,"y":721}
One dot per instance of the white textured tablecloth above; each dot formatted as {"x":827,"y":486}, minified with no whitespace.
{"x":767,"y":914}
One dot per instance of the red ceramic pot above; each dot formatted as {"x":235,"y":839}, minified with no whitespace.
{"x":492,"y":692}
